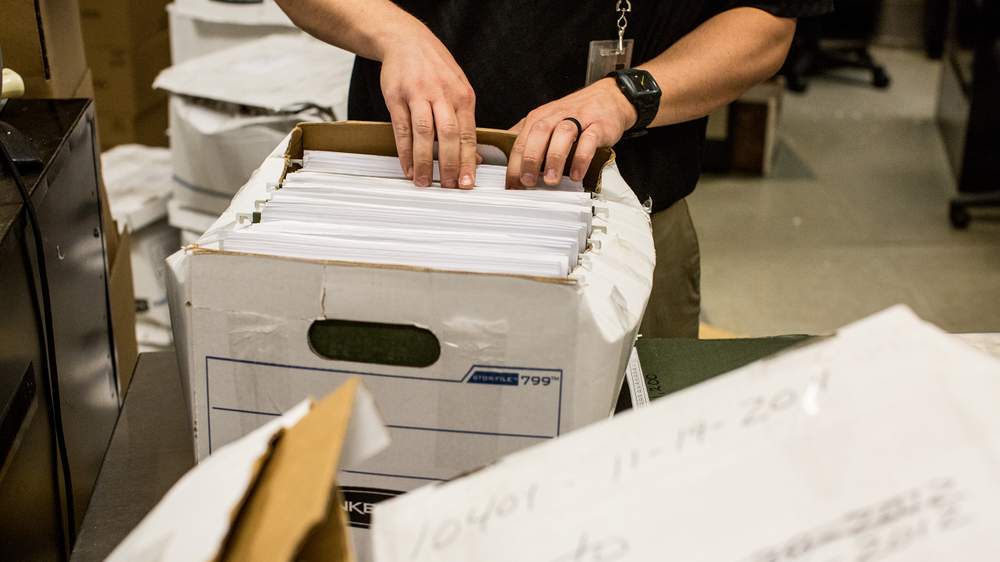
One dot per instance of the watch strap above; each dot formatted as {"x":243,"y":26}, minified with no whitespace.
{"x":646,"y":107}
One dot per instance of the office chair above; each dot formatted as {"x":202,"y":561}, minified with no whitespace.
{"x":852,"y":26}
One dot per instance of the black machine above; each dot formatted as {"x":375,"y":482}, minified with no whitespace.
{"x":850,"y":28}
{"x":969,"y":106}
{"x":58,"y":388}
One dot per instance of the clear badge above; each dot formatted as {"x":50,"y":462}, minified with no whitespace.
{"x":605,"y":57}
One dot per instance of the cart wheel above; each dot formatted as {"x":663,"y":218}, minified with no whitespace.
{"x":880,"y":79}
{"x":959,"y":216}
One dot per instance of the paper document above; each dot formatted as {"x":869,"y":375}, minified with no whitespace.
{"x":882,"y":443}
{"x":487,"y":176}
{"x":359,"y":208}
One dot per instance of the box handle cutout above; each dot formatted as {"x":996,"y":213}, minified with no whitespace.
{"x":398,"y":345}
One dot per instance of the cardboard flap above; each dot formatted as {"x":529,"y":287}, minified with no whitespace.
{"x":122,"y":305}
{"x":293,"y":508}
{"x":369,"y":137}
{"x":268,"y":496}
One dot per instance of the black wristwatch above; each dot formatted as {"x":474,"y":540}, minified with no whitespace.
{"x":643,"y":92}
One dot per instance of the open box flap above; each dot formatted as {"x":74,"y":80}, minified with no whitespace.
{"x":281,"y":473}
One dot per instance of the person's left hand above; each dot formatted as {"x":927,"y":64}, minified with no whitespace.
{"x":545,"y":137}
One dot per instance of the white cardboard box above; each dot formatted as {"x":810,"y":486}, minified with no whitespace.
{"x":880,"y":443}
{"x":189,"y":237}
{"x":190,"y":220}
{"x":200,"y":27}
{"x":522,"y":360}
{"x":193,"y":197}
{"x":230,"y":108}
{"x":216,"y":149}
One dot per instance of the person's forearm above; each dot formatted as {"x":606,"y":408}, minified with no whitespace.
{"x":714,"y":64}
{"x":426,"y":93}
{"x":367,"y":28}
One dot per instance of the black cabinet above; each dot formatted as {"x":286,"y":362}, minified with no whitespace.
{"x":64,"y":190}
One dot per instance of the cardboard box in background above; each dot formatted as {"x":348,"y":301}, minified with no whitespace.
{"x":742,"y":137}
{"x":139,"y":185}
{"x":127,"y":45}
{"x":222,"y":123}
{"x":43,"y":42}
{"x":123,"y":76}
{"x":754,"y":127}
{"x":201,"y":27}
{"x":121,"y":23}
{"x":121,"y":294}
{"x":216,"y":146}
{"x":122,"y":305}
{"x":148,"y":128}
{"x":189,"y":219}
{"x":85,"y":89}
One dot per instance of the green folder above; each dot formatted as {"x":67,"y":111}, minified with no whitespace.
{"x":671,"y":365}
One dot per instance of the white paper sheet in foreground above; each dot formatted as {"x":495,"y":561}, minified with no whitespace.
{"x":882,"y":443}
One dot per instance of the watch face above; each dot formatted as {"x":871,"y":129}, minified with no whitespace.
{"x":643,"y":82}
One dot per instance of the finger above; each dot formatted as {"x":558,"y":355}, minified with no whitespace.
{"x":401,"y":130}
{"x":468,"y":155}
{"x":479,"y":158}
{"x":448,"y":144}
{"x":514,"y":161}
{"x":535,"y":146}
{"x":560,"y":145}
{"x":422,"y":124}
{"x":586,"y":148}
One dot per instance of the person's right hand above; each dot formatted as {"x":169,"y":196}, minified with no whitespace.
{"x":428,"y":95}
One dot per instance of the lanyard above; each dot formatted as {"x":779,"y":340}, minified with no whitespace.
{"x":622,"y":7}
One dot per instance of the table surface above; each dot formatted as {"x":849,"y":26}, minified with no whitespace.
{"x":152,"y":448}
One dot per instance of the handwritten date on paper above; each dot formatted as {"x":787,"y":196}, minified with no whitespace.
{"x":879,"y":530}
{"x":750,"y":413}
{"x":438,"y":534}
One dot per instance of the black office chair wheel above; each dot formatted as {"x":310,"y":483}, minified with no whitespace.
{"x":796,"y":84}
{"x":880,"y":78}
{"x":959,"y":216}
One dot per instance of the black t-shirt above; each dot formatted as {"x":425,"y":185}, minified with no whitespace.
{"x":521,"y":54}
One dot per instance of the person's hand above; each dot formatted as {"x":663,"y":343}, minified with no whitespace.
{"x":428,"y":95}
{"x":546,"y":137}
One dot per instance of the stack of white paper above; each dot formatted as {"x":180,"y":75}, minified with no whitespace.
{"x":360,"y":208}
{"x":487,"y":176}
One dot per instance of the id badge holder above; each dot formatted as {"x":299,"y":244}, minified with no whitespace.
{"x":608,"y":56}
